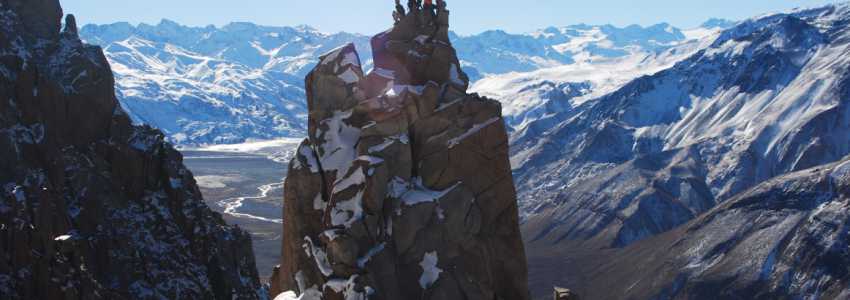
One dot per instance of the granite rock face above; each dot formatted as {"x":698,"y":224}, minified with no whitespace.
{"x":403,"y":189}
{"x":92,"y":207}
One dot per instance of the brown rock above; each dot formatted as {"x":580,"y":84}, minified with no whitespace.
{"x":403,"y":189}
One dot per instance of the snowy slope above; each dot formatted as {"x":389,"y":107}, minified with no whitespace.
{"x":214,"y":85}
{"x":786,"y":238}
{"x":766,"y":97}
{"x":529,"y":96}
{"x":605,"y":59}
{"x":497,"y":52}
{"x":708,"y":28}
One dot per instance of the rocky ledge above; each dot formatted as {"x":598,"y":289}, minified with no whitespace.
{"x":92,"y":207}
{"x":403,"y":189}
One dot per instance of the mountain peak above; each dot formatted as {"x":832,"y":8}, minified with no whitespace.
{"x":402,"y":189}
{"x":168,"y":23}
{"x":306,"y":28}
{"x":239,"y":26}
{"x":718,"y":23}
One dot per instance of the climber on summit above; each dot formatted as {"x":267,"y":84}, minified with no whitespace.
{"x":398,"y":8}
{"x":429,"y":7}
{"x":399,"y":12}
{"x":436,"y":13}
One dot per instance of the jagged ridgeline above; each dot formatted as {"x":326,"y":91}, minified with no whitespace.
{"x":92,"y":207}
{"x":403,"y":189}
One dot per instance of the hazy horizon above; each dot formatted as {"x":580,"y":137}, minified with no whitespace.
{"x":219,"y":26}
{"x":476,"y":17}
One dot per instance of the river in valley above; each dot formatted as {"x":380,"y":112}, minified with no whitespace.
{"x":245,"y":183}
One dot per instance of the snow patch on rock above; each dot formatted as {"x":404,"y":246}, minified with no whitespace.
{"x":475,"y":129}
{"x":319,"y":255}
{"x":430,"y":271}
{"x":413,"y":193}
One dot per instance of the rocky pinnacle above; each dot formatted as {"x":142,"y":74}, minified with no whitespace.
{"x":403,"y":188}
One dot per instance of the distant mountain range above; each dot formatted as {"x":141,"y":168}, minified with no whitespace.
{"x":219,"y":85}
{"x":214,"y":85}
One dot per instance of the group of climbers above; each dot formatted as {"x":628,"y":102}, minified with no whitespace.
{"x":417,"y":5}
{"x":417,"y":46}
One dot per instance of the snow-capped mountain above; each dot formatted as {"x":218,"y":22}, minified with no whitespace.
{"x":604,"y":59}
{"x":767,"y":97}
{"x":707,"y":28}
{"x":243,"y":81}
{"x":498,"y":52}
{"x":214,"y":85}
{"x":529,"y":96}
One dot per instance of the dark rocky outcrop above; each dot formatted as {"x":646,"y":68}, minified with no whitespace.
{"x":403,"y":189}
{"x":92,"y":207}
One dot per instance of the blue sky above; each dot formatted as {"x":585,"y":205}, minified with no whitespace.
{"x":468,"y":16}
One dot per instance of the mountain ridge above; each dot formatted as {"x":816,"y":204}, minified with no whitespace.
{"x":658,"y":113}
{"x":241,"y":81}
{"x":765,"y":99}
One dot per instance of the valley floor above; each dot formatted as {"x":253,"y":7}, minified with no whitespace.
{"x":244,"y":182}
